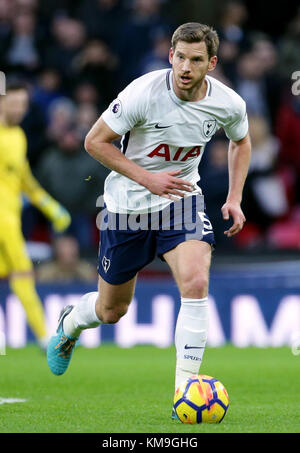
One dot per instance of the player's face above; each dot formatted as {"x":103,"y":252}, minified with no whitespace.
{"x":190,"y":63}
{"x":14,"y":105}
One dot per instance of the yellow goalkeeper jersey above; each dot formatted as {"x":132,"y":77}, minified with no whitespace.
{"x":16,"y":178}
{"x":13,"y":169}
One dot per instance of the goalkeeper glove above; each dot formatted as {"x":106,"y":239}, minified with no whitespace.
{"x":56,"y":213}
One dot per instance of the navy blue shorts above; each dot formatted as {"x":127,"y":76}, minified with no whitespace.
{"x":128,"y":242}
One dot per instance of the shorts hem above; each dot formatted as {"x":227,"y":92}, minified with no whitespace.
{"x":160,"y":255}
{"x":115,"y":281}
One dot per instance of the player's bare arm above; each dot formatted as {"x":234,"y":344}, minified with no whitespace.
{"x":238,"y":164}
{"x":98,"y":144}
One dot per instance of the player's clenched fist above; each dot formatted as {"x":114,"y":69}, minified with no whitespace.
{"x":166,"y":184}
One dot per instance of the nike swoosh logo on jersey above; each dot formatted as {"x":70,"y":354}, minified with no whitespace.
{"x":161,"y":127}
{"x":193,"y":347}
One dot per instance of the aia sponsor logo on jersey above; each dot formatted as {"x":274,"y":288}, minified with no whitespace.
{"x":182,"y":154}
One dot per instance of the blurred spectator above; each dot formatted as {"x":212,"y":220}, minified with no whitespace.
{"x":250,"y":84}
{"x":34,"y":125}
{"x":254,"y":76}
{"x":232,"y":18}
{"x":86,"y":116}
{"x":228,"y":56}
{"x":76,"y":180}
{"x":48,"y":9}
{"x":27,"y":6}
{"x":158,"y":57}
{"x":104,"y":20}
{"x":285,"y":234}
{"x":288,"y":132}
{"x":233,"y":38}
{"x":62,"y":114}
{"x":265,"y":199}
{"x":67,"y":266}
{"x":137,"y":34}
{"x":23,"y":48}
{"x":7,"y":9}
{"x":265,"y":51}
{"x":69,"y":36}
{"x":289,"y":45}
{"x":86,"y":93}
{"x":97,"y":64}
{"x":266,"y":54}
{"x":47,"y":89}
{"x":266,"y":185}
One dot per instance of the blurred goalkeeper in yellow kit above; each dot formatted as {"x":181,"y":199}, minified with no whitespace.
{"x":16,"y":179}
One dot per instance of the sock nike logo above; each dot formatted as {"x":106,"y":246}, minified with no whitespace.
{"x":193,"y":347}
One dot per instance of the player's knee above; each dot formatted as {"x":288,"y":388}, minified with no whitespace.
{"x":112,"y":316}
{"x":194,"y":286}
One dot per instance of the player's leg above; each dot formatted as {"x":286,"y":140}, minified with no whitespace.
{"x":95,"y":308}
{"x":23,"y":285}
{"x":106,"y":306}
{"x":190,"y":263}
{"x":22,"y":282}
{"x":122,"y":253}
{"x":119,"y":263}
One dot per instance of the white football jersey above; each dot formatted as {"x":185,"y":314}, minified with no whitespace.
{"x":163,"y":133}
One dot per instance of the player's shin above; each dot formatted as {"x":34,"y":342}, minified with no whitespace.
{"x":190,"y":337}
{"x":83,"y":316}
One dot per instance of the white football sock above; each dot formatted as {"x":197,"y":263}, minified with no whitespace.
{"x":190,"y":337}
{"x":83,"y":316}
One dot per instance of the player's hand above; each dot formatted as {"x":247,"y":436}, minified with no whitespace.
{"x":61,"y":220}
{"x":166,"y":184}
{"x":233,"y":209}
{"x":54,"y":211}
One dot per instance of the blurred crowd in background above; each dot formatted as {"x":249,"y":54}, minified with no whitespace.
{"x":75,"y":56}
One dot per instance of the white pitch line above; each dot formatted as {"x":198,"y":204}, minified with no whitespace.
{"x":12,"y":400}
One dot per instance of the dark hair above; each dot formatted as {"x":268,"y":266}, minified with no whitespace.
{"x":195,"y":32}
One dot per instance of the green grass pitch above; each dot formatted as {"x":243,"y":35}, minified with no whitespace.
{"x":114,"y":390}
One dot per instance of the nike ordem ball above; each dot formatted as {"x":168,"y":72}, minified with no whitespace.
{"x":201,"y":399}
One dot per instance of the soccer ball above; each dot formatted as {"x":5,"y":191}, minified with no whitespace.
{"x":201,"y":399}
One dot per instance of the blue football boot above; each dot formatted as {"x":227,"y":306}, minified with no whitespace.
{"x":60,"y":347}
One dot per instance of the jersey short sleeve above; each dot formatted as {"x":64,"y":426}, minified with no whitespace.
{"x":127,"y":110}
{"x":237,"y":127}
